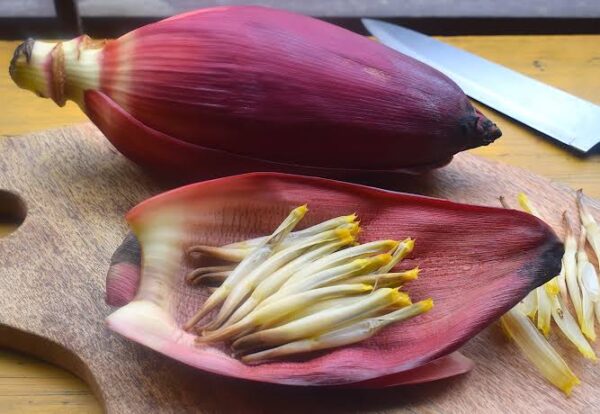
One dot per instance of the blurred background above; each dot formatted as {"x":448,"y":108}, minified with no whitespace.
{"x":109,"y":18}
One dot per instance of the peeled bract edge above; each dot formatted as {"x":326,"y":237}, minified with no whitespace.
{"x":524,"y":254}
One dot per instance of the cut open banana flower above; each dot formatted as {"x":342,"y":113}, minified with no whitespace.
{"x":321,"y":298}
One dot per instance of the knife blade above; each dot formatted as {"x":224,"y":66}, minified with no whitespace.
{"x":562,"y":116}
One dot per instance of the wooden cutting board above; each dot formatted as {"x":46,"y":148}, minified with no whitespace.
{"x":76,"y":188}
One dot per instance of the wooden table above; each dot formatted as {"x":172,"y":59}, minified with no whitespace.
{"x":568,"y":62}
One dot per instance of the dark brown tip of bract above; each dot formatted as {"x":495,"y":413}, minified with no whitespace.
{"x":479,"y":130}
{"x":122,"y":279}
{"x":550,"y":263}
{"x":24,"y":49}
{"x":490,"y":131}
{"x":128,"y":252}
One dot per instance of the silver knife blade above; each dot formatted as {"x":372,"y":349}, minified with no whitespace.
{"x":567,"y":118}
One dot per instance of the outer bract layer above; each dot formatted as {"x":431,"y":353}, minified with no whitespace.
{"x":282,"y":91}
{"x":475,"y":263}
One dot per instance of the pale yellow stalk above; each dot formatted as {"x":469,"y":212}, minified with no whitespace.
{"x":544,"y":310}
{"x":537,"y":349}
{"x":353,"y":333}
{"x":551,"y":289}
{"x":404,"y":248}
{"x":201,"y":272}
{"x":269,"y":315}
{"x":530,"y":304}
{"x":321,"y":322}
{"x":562,"y":283}
{"x":335,"y":274}
{"x":590,"y":282}
{"x":570,"y":264}
{"x":294,"y":236}
{"x":537,"y":301}
{"x":590,"y":224}
{"x":386,"y":279}
{"x":274,"y":281}
{"x":244,"y":287}
{"x":321,"y":306}
{"x":235,"y":252}
{"x":249,"y":263}
{"x":587,"y":303}
{"x":343,"y":257}
{"x":568,"y":325}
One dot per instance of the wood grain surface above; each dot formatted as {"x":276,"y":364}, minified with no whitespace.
{"x":33,"y":386}
{"x":568,"y":62}
{"x":77,"y":188}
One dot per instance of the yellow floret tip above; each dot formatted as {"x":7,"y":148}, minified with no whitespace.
{"x":352,"y":241}
{"x":546,"y":330}
{"x":588,"y":332}
{"x":301,"y":210}
{"x":410,"y":243}
{"x":344,"y":234}
{"x":413,"y":274}
{"x":400,"y":298}
{"x":426,"y":304}
{"x":351,"y":217}
{"x":568,"y":387}
{"x":354,"y":228}
{"x":349,"y":240}
{"x":382,"y":259}
{"x":588,"y":354}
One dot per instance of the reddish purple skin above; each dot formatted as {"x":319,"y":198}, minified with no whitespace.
{"x":123,"y":277}
{"x":444,"y":367}
{"x":122,"y":282}
{"x":178,"y":161}
{"x":289,"y":88}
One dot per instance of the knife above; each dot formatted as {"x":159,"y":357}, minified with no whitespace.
{"x":567,"y":118}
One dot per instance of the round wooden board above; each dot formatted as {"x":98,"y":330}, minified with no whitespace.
{"x":77,"y":189}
